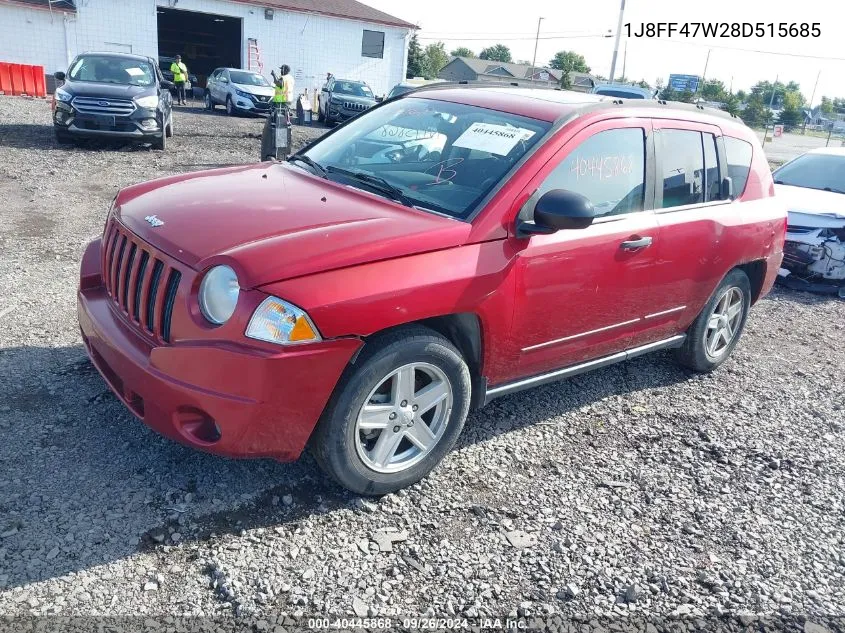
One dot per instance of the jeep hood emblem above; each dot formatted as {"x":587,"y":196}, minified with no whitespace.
{"x":154,"y":221}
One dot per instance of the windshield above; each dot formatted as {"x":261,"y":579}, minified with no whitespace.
{"x":248,"y":79}
{"x":814,"y":171}
{"x":352,"y":88}
{"x":441,"y":156}
{"x":112,"y":70}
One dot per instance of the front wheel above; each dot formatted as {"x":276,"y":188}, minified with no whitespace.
{"x":395,"y":414}
{"x":714,"y":334}
{"x":230,"y":107}
{"x":209,"y":102}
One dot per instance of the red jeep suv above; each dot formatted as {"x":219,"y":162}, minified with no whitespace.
{"x":442,"y":249}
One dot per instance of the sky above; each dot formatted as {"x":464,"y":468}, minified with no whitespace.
{"x":582,"y":26}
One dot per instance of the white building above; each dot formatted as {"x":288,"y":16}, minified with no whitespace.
{"x":345,"y":37}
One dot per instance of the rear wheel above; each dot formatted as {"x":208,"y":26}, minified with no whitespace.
{"x":714,"y":334}
{"x":396,"y":413}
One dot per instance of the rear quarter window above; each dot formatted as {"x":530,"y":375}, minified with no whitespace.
{"x":738,"y":154}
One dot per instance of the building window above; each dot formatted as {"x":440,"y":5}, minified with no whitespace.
{"x":373,"y":44}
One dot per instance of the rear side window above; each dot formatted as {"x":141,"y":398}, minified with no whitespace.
{"x":682,"y":157}
{"x":739,"y":162}
{"x":608,"y":168}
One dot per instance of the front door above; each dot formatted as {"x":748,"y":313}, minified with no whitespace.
{"x":583,"y":293}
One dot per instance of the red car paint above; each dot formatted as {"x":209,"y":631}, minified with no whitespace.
{"x":358,"y":264}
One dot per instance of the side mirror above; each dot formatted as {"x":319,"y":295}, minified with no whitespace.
{"x":167,"y":85}
{"x":60,"y":76}
{"x":727,"y":192}
{"x":556,"y":210}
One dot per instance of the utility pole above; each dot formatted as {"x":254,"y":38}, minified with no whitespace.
{"x":812,"y":98}
{"x":625,"y":59}
{"x":771,"y":103}
{"x":616,"y":45}
{"x":536,"y":41}
{"x":704,"y":74}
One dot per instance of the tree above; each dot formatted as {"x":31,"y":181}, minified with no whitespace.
{"x":792,"y":114}
{"x":462,"y":51}
{"x":732,"y":104}
{"x":826,"y":106}
{"x":416,"y":58}
{"x":435,"y":59}
{"x":687,"y":96}
{"x":713,"y":90}
{"x":669,"y":94}
{"x":569,"y":61}
{"x":642,"y":83}
{"x":497,"y":53}
{"x":756,"y":111}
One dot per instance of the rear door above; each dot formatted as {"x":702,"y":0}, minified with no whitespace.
{"x":581,"y":293}
{"x":693,"y":220}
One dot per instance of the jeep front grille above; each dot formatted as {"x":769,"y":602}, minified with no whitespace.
{"x":354,"y":106}
{"x":140,"y":281}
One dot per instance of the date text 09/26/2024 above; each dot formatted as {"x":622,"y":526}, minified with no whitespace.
{"x":724,"y":29}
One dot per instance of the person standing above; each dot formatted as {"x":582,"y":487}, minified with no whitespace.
{"x":180,"y":76}
{"x":283,"y":92}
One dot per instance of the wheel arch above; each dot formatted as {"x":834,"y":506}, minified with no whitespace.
{"x":462,"y":329}
{"x":755,"y":270}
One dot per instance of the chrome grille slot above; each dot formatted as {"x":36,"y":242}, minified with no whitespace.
{"x":139,"y":282}
{"x":158,"y":267}
{"x":169,"y":300}
{"x":115,"y":107}
{"x":127,"y":273}
{"x":352,"y":105}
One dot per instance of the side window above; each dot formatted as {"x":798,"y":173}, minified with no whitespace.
{"x":712,"y":180}
{"x":682,"y":158}
{"x":608,"y":168}
{"x":739,"y":162}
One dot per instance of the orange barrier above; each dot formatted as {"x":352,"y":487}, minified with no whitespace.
{"x":22,"y":79}
{"x":5,"y":78}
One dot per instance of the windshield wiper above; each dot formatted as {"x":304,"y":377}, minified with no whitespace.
{"x":376,"y":182}
{"x":317,"y":167}
{"x":832,"y":189}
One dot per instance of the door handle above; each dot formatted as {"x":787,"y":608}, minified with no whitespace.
{"x":633,"y":245}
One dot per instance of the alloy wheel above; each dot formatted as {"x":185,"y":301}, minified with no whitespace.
{"x":403,"y":418}
{"x":724,"y":322}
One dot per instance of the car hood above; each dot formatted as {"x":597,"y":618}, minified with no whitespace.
{"x":266,"y":91}
{"x":106,"y":90}
{"x":812,"y":207}
{"x":272,"y":222}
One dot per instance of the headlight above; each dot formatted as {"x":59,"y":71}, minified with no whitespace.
{"x":63,"y":95}
{"x":219,"y":294}
{"x":242,"y":93}
{"x":277,"y":321}
{"x":336,"y":100}
{"x":149,"y":102}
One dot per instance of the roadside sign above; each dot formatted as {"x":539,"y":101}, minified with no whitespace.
{"x":684,"y":83}
{"x":778,"y":131}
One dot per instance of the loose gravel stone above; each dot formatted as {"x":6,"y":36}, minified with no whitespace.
{"x":638,"y":475}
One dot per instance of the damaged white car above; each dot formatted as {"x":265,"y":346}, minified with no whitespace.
{"x":813,"y":187}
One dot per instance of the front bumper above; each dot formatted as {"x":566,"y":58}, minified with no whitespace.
{"x":222,"y":397}
{"x":247,"y":104}
{"x":143,"y":123}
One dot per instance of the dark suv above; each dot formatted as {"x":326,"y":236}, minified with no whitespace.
{"x":113,"y":95}
{"x":342,"y":99}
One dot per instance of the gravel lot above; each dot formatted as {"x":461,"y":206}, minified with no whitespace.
{"x":639,"y":490}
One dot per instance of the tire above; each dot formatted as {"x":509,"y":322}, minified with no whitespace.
{"x":350,"y":456}
{"x":231,"y":110}
{"x":209,"y":102}
{"x":321,"y":118}
{"x":160,"y":142}
{"x":698,"y":352}
{"x":63,"y":138}
{"x":168,"y":130}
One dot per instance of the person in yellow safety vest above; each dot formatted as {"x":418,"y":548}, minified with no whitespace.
{"x":283,"y":93}
{"x":180,"y":76}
